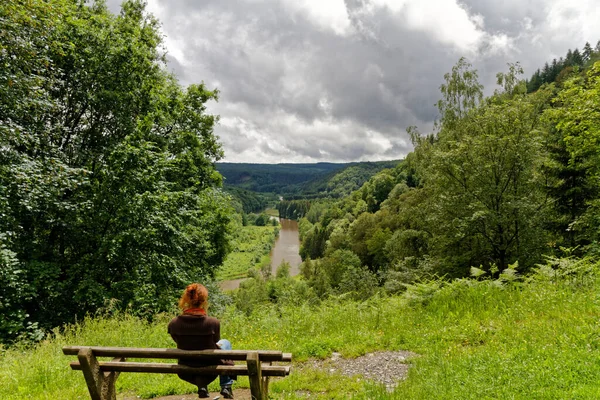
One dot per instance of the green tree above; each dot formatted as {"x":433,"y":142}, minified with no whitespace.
{"x":107,"y":183}
{"x":313,"y":242}
{"x":359,"y":233}
{"x":461,"y":92}
{"x":587,"y":52}
{"x":376,"y":190}
{"x":487,"y":203}
{"x":576,"y":121}
{"x":336,"y":265}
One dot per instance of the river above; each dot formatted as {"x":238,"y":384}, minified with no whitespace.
{"x":286,"y":248}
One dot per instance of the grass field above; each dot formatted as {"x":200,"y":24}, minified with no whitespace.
{"x":475,"y":340}
{"x":250,"y":250}
{"x":273,"y":212}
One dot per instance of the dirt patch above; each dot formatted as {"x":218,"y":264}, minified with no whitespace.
{"x":238,"y":394}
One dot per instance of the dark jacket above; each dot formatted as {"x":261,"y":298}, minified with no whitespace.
{"x":195,"y":332}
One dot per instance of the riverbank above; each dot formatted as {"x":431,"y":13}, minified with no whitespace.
{"x":286,"y":248}
{"x":250,"y":250}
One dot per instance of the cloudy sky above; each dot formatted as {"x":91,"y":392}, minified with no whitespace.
{"x":341,"y":80}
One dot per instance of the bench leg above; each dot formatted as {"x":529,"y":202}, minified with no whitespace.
{"x":255,"y":376}
{"x":91,"y":372}
{"x":108,"y":390}
{"x":265,"y":384}
{"x":101,"y":385}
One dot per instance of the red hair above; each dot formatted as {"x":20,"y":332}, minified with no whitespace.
{"x":195,"y":295}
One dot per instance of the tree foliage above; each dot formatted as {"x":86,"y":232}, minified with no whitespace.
{"x":293,"y":209}
{"x":559,"y":70}
{"x":487,"y":202}
{"x":107,"y":183}
{"x":575,"y":121}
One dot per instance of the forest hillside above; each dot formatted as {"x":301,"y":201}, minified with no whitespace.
{"x":293,"y":181}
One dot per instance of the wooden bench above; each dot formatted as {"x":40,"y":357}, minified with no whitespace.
{"x":100,"y":376}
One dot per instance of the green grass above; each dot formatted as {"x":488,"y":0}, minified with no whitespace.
{"x":273,"y":212}
{"x":474,"y":340}
{"x":250,"y":250}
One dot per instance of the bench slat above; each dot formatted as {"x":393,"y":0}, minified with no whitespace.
{"x":267,"y":370}
{"x":132,"y":352}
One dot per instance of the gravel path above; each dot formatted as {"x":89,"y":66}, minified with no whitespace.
{"x":386,"y":367}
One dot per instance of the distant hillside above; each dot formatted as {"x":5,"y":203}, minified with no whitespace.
{"x":342,"y":182}
{"x":274,"y":178}
{"x":249,"y":201}
{"x":301,"y":180}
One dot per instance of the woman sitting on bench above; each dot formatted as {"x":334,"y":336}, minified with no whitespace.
{"x":194,"y":330}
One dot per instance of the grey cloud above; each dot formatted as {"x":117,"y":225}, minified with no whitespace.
{"x":262,"y":56}
{"x":114,"y":5}
{"x":508,"y":15}
{"x":174,"y":66}
{"x":328,"y":66}
{"x":527,"y":24}
{"x":301,"y":92}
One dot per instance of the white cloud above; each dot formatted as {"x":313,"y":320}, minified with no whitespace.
{"x":446,"y":20}
{"x":574,"y":19}
{"x":326,"y":14}
{"x":499,"y":44}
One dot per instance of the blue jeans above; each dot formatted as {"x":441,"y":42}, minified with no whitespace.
{"x":225,"y":380}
